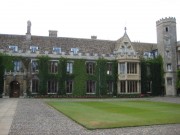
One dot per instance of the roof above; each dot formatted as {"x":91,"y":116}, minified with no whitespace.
{"x":46,"y":43}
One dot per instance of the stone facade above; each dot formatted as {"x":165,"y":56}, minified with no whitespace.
{"x":125,"y":52}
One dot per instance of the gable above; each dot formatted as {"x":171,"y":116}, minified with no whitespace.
{"x":124,"y":45}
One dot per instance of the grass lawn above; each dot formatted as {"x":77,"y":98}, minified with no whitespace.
{"x":113,"y":114}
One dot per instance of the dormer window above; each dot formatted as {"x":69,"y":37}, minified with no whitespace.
{"x":75,"y":50}
{"x":147,"y":55}
{"x":14,"y":48}
{"x":57,"y":49}
{"x":33,"y":49}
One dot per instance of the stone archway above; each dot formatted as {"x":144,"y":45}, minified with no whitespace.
{"x":14,"y":89}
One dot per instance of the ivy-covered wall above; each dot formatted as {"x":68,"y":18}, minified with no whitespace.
{"x":152,"y":71}
{"x":5,"y":64}
{"x":178,"y":82}
{"x":79,"y":76}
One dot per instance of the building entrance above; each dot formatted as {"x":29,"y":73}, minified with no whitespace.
{"x":14,"y":89}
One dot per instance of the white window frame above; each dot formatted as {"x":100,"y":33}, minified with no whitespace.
{"x":75,"y":50}
{"x":57,"y":49}
{"x":169,"y":67}
{"x":17,"y":65}
{"x":51,"y":69}
{"x":14,"y":48}
{"x":36,"y":66}
{"x":122,"y":68}
{"x":33,"y":49}
{"x":69,"y":67}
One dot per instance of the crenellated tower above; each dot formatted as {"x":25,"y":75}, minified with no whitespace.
{"x":166,"y":44}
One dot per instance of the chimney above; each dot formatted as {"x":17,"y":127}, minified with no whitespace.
{"x":53,"y":33}
{"x":28,"y":34}
{"x":94,"y":37}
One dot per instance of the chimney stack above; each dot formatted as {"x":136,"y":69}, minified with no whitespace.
{"x":94,"y":37}
{"x":53,"y":33}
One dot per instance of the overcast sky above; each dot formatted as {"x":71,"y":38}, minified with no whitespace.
{"x":82,"y":18}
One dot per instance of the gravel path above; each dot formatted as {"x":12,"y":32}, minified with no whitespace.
{"x":34,"y":117}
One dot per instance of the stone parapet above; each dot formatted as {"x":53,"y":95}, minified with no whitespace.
{"x":163,"y":20}
{"x":70,"y":55}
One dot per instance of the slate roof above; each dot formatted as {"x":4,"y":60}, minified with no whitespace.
{"x":46,"y":43}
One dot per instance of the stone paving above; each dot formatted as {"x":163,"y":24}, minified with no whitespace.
{"x":7,"y":111}
{"x":34,"y":117}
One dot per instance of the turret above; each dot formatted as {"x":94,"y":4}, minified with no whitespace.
{"x":166,"y":44}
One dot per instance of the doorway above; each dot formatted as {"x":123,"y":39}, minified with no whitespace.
{"x":15,"y":89}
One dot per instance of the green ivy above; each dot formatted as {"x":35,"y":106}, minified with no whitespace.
{"x":178,"y":82}
{"x":156,"y":76}
{"x":43,"y":74}
{"x":79,"y":75}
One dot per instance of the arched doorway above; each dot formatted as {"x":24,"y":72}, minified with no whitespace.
{"x":15,"y":89}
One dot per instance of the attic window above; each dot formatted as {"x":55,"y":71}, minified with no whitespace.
{"x":14,"y":48}
{"x":167,"y":29}
{"x":75,"y":50}
{"x":33,"y":49}
{"x":57,"y":49}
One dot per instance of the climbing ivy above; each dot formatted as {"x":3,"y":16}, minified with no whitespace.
{"x":43,"y":74}
{"x":79,"y":75}
{"x":154,"y":75}
{"x":178,"y":82}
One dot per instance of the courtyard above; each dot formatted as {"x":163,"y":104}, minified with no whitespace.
{"x":34,"y":116}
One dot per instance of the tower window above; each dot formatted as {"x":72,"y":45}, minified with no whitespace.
{"x":169,"y":67}
{"x":169,"y":81}
{"x":167,"y":29}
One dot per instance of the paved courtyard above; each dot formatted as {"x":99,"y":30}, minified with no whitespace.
{"x":34,"y":117}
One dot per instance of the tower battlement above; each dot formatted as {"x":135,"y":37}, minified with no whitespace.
{"x":166,"y":19}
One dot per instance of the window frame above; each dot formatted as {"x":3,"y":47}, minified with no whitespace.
{"x":52,"y":86}
{"x":36,"y":66}
{"x":132,"y":86}
{"x":131,"y":68}
{"x":122,"y":68}
{"x":110,"y":87}
{"x":51,"y":66}
{"x":122,"y":86}
{"x":90,"y":87}
{"x":90,"y":67}
{"x":34,"y":49}
{"x":36,"y":85}
{"x":169,"y":81}
{"x":75,"y":50}
{"x":14,"y":48}
{"x":69,"y":67}
{"x":69,"y":86}
{"x":109,"y":68}
{"x":57,"y":50}
{"x":17,"y":66}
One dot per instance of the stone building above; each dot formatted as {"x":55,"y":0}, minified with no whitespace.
{"x":126,"y":53}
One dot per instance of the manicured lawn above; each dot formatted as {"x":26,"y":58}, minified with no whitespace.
{"x":112,"y":114}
